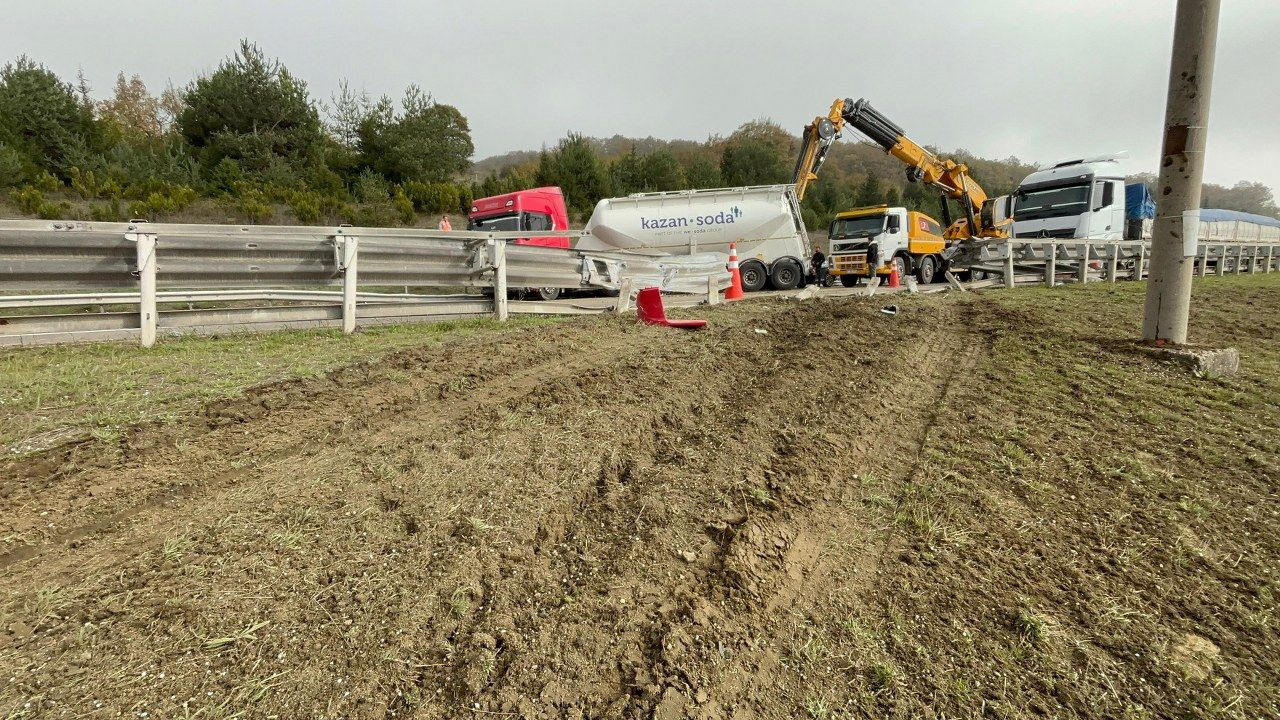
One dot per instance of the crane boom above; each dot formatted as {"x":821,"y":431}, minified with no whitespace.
{"x":984,"y":217}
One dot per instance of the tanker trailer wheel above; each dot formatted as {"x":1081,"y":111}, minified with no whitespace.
{"x":926,"y":270}
{"x":849,"y":280}
{"x":786,"y":274}
{"x":548,"y":293}
{"x":753,"y":275}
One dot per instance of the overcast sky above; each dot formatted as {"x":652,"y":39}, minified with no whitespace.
{"x":1037,"y":79}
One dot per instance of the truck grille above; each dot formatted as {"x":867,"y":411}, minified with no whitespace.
{"x":1049,"y":234}
{"x":854,"y":264}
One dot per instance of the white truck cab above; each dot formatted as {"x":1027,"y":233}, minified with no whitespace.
{"x":1072,"y":199}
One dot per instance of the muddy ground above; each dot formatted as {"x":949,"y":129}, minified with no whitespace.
{"x":982,"y":506}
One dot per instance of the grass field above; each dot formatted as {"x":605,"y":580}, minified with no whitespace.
{"x":54,"y":393}
{"x":987,"y":505}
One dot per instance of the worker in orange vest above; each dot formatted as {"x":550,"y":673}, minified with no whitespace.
{"x":445,"y":225}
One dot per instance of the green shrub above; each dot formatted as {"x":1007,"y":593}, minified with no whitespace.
{"x":111,"y":212}
{"x":46,"y":182}
{"x":465,"y":199}
{"x":376,"y":214}
{"x":165,"y":201}
{"x":111,"y":189}
{"x":434,"y":198}
{"x":28,"y":200}
{"x":249,"y":201}
{"x":83,"y":183}
{"x":226,"y":175}
{"x":12,"y":168}
{"x":54,"y":211}
{"x":305,"y":206}
{"x":370,"y":187}
{"x":404,"y":206}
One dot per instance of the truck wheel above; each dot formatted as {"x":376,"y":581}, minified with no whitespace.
{"x":786,"y":274}
{"x":903,"y":264}
{"x":753,"y":275}
{"x":848,"y":280}
{"x":925,"y":270}
{"x":548,"y":293}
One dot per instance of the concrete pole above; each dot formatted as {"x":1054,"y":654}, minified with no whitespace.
{"x":350,"y":280}
{"x":500,"y":307}
{"x":1174,"y":237}
{"x":147,"y":315}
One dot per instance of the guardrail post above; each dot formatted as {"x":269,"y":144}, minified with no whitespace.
{"x":1270,"y":250}
{"x":1114,"y":265}
{"x":146,"y":249}
{"x":350,"y":247}
{"x":1008,"y":265}
{"x":500,"y":310}
{"x":624,"y":296}
{"x":1204,"y":260}
{"x":1239,"y":259}
{"x":1082,"y":272}
{"x":713,"y":292}
{"x":1051,"y":264}
{"x":1253,"y":261}
{"x":1138,"y":268}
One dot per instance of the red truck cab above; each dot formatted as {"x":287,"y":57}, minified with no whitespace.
{"x":537,"y":209}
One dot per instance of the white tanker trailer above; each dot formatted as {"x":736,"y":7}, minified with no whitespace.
{"x":763,"y":220}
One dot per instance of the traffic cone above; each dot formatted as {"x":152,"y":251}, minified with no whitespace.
{"x":735,"y":276}
{"x":894,"y":280}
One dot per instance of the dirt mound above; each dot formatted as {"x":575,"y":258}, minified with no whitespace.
{"x":601,"y":519}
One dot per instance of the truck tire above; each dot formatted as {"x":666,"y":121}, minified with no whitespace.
{"x":786,"y":274}
{"x":904,"y":265}
{"x":925,"y":270}
{"x":754,"y":275}
{"x":548,"y":293}
{"x":848,"y":280}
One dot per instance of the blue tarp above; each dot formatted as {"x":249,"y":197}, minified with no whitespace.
{"x":1138,"y":204}
{"x":1209,"y":215}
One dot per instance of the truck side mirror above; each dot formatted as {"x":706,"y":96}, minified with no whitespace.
{"x":895,"y":223}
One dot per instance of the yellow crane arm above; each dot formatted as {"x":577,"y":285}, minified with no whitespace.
{"x":818,"y":138}
{"x":983,"y":216}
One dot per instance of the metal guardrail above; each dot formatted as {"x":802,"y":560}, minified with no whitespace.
{"x":1051,"y":257}
{"x":150,"y":265}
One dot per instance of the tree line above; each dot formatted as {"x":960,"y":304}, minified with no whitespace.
{"x":250,"y":140}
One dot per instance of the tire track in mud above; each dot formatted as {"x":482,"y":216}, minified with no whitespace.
{"x":560,"y":589}
{"x":273,"y":425}
{"x":755,"y":560}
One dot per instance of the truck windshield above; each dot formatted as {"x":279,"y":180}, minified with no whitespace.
{"x":1052,"y":202}
{"x":856,"y":226}
{"x":497,"y":223}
